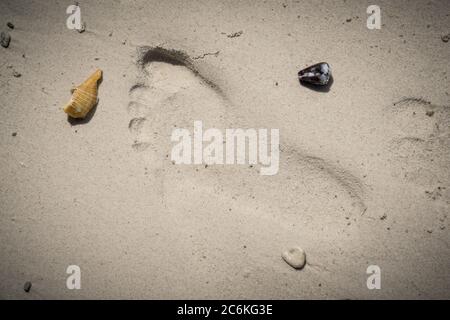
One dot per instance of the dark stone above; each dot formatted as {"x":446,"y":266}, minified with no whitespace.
{"x":83,"y":28}
{"x":318,"y":74}
{"x":27,"y":286}
{"x":235,"y":34}
{"x":10,"y":25}
{"x":5,"y":39}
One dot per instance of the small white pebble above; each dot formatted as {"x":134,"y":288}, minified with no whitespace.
{"x":295,"y":257}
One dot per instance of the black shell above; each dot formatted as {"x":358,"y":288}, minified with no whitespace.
{"x":318,"y":74}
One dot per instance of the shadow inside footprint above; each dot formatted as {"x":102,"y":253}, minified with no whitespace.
{"x":176,"y":58}
{"x":158,"y":54}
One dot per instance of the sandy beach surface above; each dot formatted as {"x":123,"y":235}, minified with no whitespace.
{"x":364,"y":171}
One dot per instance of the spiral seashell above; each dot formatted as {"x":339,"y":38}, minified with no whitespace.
{"x":84,"y":97}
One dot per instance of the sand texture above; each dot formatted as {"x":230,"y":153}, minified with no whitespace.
{"x":364,"y":172}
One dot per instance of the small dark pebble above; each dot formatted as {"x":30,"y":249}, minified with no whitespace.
{"x":445,"y":38}
{"x":83,"y":28}
{"x":430,"y":113}
{"x":17,"y":74}
{"x":27,"y":286}
{"x":10,"y":25}
{"x":5,"y":39}
{"x":14,"y":134}
{"x":235,"y":34}
{"x":349,"y":20}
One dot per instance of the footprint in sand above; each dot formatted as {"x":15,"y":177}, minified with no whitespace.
{"x":169,"y":94}
{"x":421,"y":142}
{"x":419,"y":147}
{"x":310,"y":201}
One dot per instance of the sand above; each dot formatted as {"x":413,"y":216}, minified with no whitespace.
{"x":364,"y":169}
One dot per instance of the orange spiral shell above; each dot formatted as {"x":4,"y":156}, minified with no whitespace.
{"x":84,"y":96}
